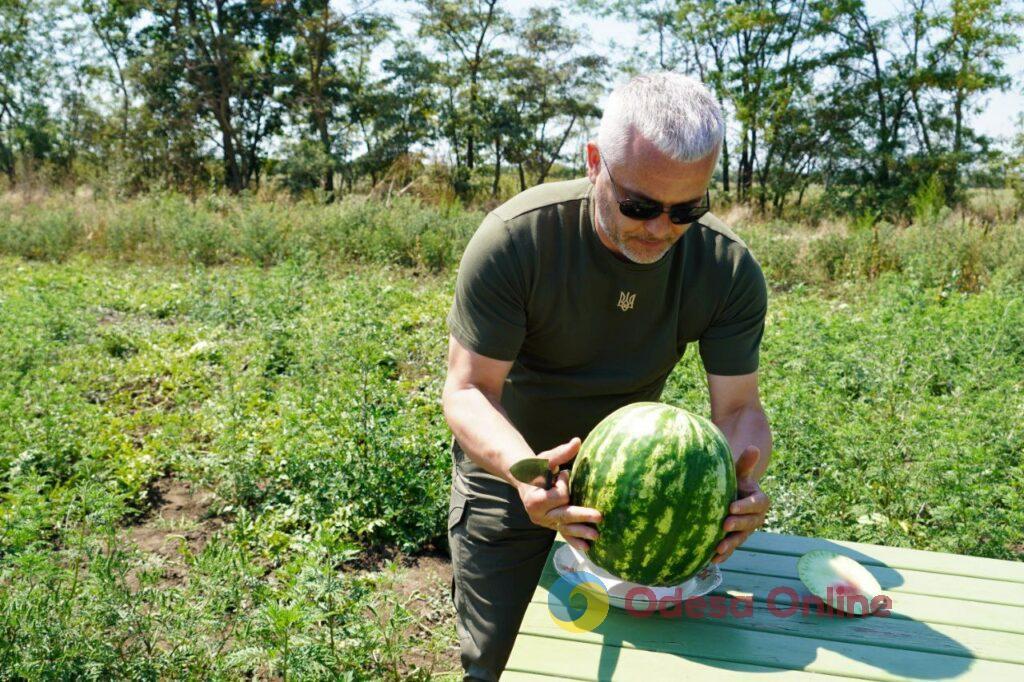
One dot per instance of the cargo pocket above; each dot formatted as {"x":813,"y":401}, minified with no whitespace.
{"x":456,"y":509}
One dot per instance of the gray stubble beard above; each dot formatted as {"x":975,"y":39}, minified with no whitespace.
{"x":626,"y":250}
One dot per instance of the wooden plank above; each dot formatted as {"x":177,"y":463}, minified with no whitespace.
{"x":926,"y":609}
{"x":892,"y":557}
{"x":910,"y":581}
{"x":922,"y":608}
{"x":897,"y":633}
{"x":724,"y":649}
{"x":517,"y":676}
{"x":568,"y":659}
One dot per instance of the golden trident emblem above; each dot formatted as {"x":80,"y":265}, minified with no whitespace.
{"x":626,"y":300}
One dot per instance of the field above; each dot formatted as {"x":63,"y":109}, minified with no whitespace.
{"x":223,"y":456}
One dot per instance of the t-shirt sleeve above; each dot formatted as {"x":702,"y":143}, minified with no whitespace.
{"x":488,"y":313}
{"x":731,"y":343}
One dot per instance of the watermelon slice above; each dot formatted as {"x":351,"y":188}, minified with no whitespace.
{"x":839,"y":581}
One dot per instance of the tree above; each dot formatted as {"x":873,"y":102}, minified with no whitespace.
{"x":222,"y":62}
{"x":868,"y":90}
{"x":465,"y":33}
{"x":329,"y":60}
{"x":967,"y":61}
{"x":397,"y":111}
{"x":111,"y":22}
{"x":547,"y":90}
{"x":27,"y":130}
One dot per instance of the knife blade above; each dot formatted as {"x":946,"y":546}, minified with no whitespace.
{"x":527,"y":470}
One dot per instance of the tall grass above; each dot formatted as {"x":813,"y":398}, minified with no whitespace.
{"x":950,"y":250}
{"x":216,"y":230}
{"x":962,"y":250}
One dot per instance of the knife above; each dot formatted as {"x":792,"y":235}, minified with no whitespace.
{"x":527,"y":470}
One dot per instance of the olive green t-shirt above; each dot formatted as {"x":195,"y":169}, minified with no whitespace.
{"x":588,"y":332}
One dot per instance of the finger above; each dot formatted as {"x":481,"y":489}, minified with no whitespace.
{"x":578,"y":530}
{"x":563,"y":480}
{"x":581,"y":545}
{"x":564,"y":452}
{"x":757,"y":503}
{"x":560,"y":489}
{"x":731,"y":542}
{"x":575,"y":514}
{"x":747,"y":462}
{"x":746,"y":523}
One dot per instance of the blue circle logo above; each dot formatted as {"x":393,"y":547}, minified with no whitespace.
{"x":591,"y":601}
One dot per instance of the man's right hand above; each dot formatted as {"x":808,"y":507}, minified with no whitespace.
{"x":551,"y":508}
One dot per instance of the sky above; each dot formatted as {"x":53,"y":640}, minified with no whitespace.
{"x":997,"y":118}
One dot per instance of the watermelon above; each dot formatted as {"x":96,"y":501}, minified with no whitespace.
{"x":663,"y":480}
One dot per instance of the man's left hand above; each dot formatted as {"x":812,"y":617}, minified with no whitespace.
{"x":747,"y":513}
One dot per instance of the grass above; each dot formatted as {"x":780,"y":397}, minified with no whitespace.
{"x":218,"y":229}
{"x":306,"y":402}
{"x":303,"y":391}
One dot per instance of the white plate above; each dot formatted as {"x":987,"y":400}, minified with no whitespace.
{"x":568,"y":560}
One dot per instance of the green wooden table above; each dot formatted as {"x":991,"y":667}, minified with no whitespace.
{"x":953,"y":617}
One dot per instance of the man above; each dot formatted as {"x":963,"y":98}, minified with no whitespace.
{"x":573,"y":299}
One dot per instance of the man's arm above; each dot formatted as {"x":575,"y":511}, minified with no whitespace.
{"x":736,"y":410}
{"x":471,"y":401}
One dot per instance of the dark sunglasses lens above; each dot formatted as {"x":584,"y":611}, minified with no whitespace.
{"x":685,"y":216}
{"x":639,"y":211}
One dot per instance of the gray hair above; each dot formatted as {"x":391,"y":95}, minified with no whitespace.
{"x":677,"y":113}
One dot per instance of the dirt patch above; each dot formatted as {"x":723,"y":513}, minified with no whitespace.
{"x":109,"y":317}
{"x":179,"y":517}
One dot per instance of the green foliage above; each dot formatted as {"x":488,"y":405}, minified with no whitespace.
{"x":302,"y":389}
{"x":304,"y":167}
{"x":894,"y":409}
{"x":929,"y":200}
{"x":307,"y":402}
{"x":48,"y":234}
{"x":217,"y":230}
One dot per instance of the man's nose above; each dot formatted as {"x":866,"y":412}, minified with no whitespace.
{"x":659,"y":227}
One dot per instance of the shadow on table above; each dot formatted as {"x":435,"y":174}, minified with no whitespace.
{"x":766,"y":641}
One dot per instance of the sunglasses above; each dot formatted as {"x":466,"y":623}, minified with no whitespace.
{"x":645,"y":209}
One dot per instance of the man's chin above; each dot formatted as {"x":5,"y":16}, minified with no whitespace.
{"x":642,"y":254}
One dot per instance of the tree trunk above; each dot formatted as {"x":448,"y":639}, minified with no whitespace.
{"x":522,"y":178}
{"x":497,"y":166}
{"x":325,"y":142}
{"x":725,"y":165}
{"x":750,"y":160}
{"x":232,"y":176}
{"x":329,"y":183}
{"x":745,"y":175}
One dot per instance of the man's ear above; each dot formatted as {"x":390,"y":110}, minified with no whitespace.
{"x":593,"y":161}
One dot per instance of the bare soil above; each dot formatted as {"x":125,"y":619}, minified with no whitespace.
{"x":180,"y":515}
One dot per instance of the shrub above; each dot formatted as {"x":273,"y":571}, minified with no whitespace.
{"x":41,"y":233}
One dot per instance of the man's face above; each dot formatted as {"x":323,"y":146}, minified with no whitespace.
{"x":645,"y":173}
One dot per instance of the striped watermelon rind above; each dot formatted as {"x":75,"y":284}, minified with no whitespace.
{"x":663,"y":479}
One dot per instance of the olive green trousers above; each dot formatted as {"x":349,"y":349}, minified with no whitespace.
{"x":498,"y":555}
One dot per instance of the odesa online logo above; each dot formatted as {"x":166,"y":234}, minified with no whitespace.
{"x":574,"y":618}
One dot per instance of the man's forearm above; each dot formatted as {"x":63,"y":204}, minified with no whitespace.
{"x":484,"y":431}
{"x":745,"y":427}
